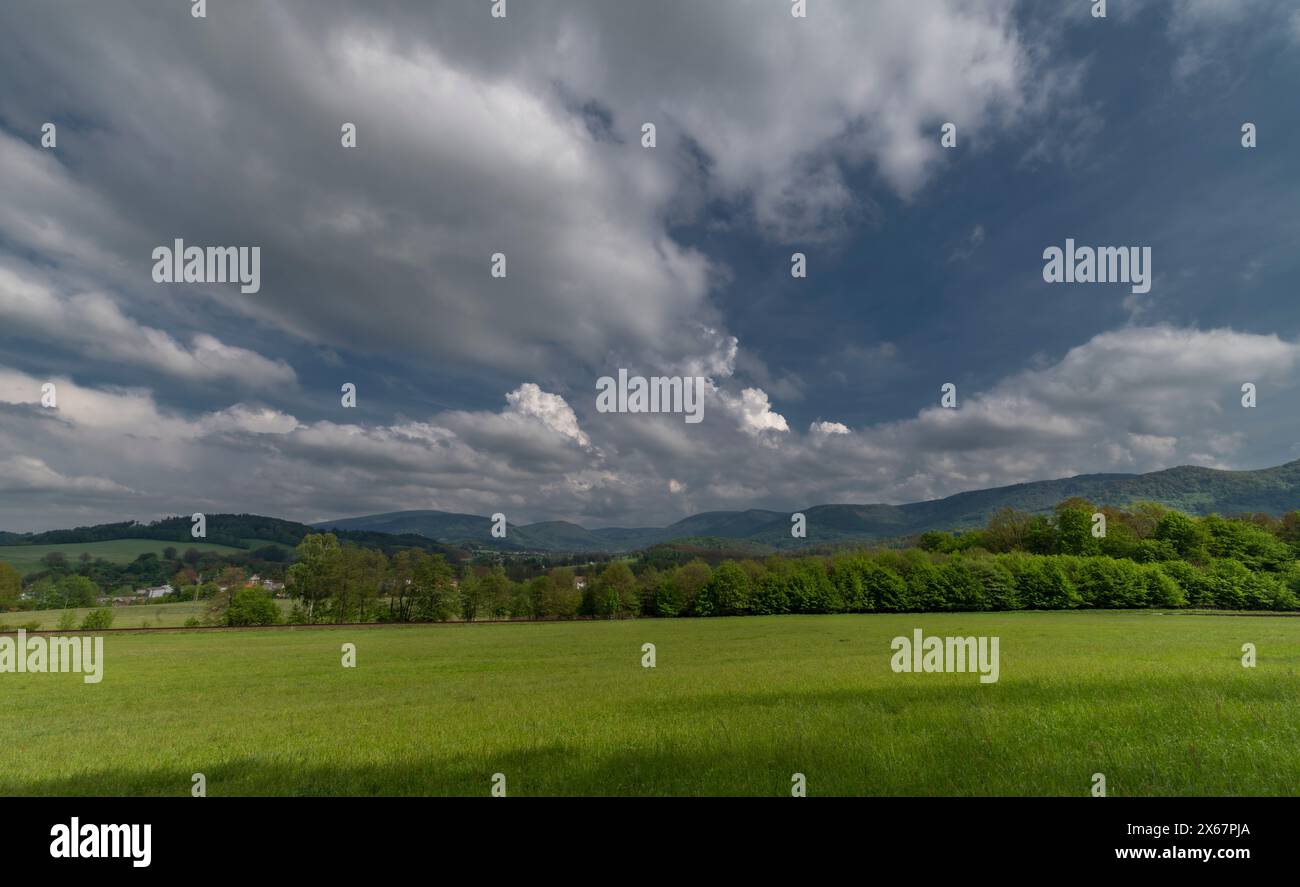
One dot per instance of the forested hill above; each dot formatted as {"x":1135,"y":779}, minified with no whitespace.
{"x":247,"y":531}
{"x":1190,"y":489}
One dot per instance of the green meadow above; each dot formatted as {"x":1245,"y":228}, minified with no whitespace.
{"x":1158,"y":702}
{"x":27,"y":558}
{"x":131,"y":616}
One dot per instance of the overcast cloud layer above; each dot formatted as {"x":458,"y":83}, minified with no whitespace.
{"x":522,"y":136}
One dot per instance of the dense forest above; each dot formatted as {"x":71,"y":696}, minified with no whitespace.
{"x":247,"y":531}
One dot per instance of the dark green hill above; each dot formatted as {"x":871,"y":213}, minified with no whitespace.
{"x":243,"y":531}
{"x":1187,"y":488}
{"x":1190,"y":489}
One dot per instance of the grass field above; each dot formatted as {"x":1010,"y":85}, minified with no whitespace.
{"x":27,"y":558}
{"x":133,"y":616}
{"x":1158,"y":703}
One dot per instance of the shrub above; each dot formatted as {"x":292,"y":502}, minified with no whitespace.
{"x":769,"y":598}
{"x":960,"y":587}
{"x":809,"y":589}
{"x":1162,"y":589}
{"x":887,"y":591}
{"x":1150,"y":551}
{"x":1269,"y":591}
{"x":1251,"y":545}
{"x":1104,"y":582}
{"x":1197,"y":589}
{"x":847,"y":574}
{"x":252,"y":606}
{"x":1229,"y":578}
{"x":1043,"y":584}
{"x":1286,"y":599}
{"x":1290,"y":592}
{"x":997,"y":584}
{"x":925,"y":588}
{"x":1120,"y":541}
{"x":97,"y":619}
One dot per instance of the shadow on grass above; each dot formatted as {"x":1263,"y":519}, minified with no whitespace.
{"x":548,"y":770}
{"x":951,"y":739}
{"x":906,"y":691}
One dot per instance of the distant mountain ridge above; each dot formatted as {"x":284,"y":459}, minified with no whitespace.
{"x":244,"y":531}
{"x":1188,"y":488}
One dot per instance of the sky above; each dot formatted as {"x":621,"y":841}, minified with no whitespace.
{"x":522,"y":135}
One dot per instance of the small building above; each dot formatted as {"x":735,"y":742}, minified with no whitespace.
{"x":160,"y":591}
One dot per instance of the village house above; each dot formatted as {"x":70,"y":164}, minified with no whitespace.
{"x":272,"y":585}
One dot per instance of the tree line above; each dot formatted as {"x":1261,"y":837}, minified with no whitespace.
{"x":1148,"y":556}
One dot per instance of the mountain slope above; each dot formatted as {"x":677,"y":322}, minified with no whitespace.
{"x":433,"y":524}
{"x":1188,"y":488}
{"x":236,"y":531}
